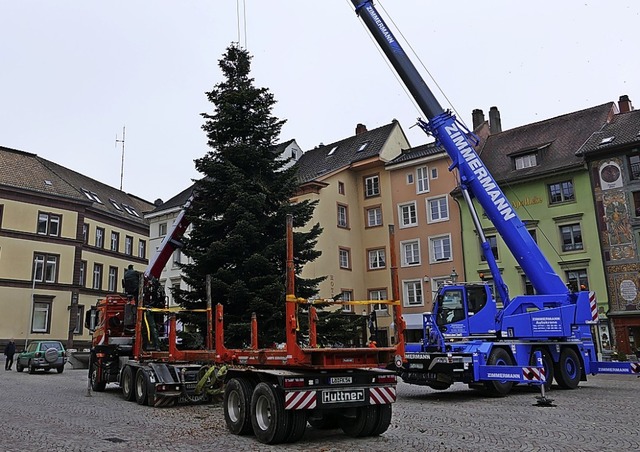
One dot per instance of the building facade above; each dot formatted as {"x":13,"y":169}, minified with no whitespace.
{"x":353,"y":190}
{"x":613,"y":158}
{"x":65,"y":240}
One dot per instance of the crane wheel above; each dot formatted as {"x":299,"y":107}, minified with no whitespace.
{"x":569,"y":369}
{"x":497,"y":388}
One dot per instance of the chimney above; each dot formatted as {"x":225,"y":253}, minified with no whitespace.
{"x":495,"y":126}
{"x":360,"y":129}
{"x":624,"y":104}
{"x":477,"y":117}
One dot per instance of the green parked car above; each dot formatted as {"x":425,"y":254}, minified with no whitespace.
{"x":42,"y":355}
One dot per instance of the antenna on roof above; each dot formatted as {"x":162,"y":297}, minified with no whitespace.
{"x":122,"y":163}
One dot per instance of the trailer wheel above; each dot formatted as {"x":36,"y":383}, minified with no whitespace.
{"x":498,"y":357}
{"x":363,"y":424}
{"x":237,"y":406}
{"x":127,"y":383}
{"x":569,"y":369}
{"x":297,"y":425}
{"x":96,"y":385}
{"x":142,"y":387}
{"x":268,"y":417}
{"x":383,"y":420}
{"x":547,"y":363}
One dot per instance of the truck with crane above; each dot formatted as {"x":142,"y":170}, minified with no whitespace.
{"x":270,"y":392}
{"x":468,"y":338}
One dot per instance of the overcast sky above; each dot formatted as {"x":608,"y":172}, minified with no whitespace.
{"x":74,"y":72}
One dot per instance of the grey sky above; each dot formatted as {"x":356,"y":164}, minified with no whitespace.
{"x":73,"y":72}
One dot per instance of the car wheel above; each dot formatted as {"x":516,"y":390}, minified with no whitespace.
{"x":142,"y":387}
{"x":60,"y":369}
{"x":19,"y":367}
{"x":32,"y":368}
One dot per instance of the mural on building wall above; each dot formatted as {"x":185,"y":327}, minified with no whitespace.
{"x":618,"y":225}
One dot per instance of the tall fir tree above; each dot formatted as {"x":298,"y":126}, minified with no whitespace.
{"x":238,"y":231}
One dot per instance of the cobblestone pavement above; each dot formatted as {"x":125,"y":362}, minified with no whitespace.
{"x":50,"y":411}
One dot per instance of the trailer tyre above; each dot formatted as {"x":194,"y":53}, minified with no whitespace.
{"x":237,"y":406}
{"x":363,"y":424}
{"x":97,"y":386}
{"x":569,"y":369}
{"x":142,"y":387}
{"x":498,"y":357}
{"x":547,"y":363}
{"x":383,"y":420}
{"x":297,"y":425}
{"x":268,"y":417}
{"x":128,"y":384}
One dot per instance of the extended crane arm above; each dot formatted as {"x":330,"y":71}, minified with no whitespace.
{"x":169,"y":244}
{"x":474,"y":175}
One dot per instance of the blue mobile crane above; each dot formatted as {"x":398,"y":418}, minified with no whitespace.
{"x":468,"y":338}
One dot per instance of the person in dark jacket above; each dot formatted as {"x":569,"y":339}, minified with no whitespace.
{"x":9,"y":351}
{"x":131,"y":282}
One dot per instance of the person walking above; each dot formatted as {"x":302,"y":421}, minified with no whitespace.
{"x":9,"y":351}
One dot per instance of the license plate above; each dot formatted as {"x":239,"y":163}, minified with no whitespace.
{"x":190,"y":385}
{"x":340,"y":380}
{"x":347,"y":396}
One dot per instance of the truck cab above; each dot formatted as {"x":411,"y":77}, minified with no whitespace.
{"x":464,"y":310}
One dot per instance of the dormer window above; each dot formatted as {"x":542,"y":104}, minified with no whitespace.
{"x":526,"y":160}
{"x":606,"y":140}
{"x":363,"y":146}
{"x":115,"y":204}
{"x":92,"y":196}
{"x":130,"y":210}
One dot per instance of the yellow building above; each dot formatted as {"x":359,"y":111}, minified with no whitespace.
{"x":65,"y":241}
{"x":353,"y":190}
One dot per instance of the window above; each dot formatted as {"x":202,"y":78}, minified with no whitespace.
{"x":577,"y":279}
{"x":85,"y":233}
{"x":347,"y":295}
{"x":333,"y":150}
{"x":437,"y":283}
{"x":422,"y":179}
{"x":561,"y":192}
{"x":113,"y":279}
{"x":79,"y":320}
{"x":412,"y":291}
{"x":92,"y":196}
{"x":97,"y":276}
{"x":371,"y":186}
{"x":363,"y":146}
{"x":376,"y":259}
{"x":344,"y":257}
{"x":571,"y":237}
{"x":100,"y":237}
{"x":374,"y":216}
{"x":379,"y":294}
{"x":634,"y":166}
{"x":440,"y":248}
{"x":407,"y":214}
{"x":528,"y":287}
{"x":526,"y":161}
{"x":41,"y":316}
{"x":493,"y":242}
{"x":534,"y":236}
{"x":438,"y":209}
{"x":83,"y":273}
{"x":115,"y":204}
{"x":162,"y":229}
{"x":410,"y":253}
{"x":48,"y":224}
{"x":343,"y":216}
{"x":409,"y":178}
{"x":128,"y":245}
{"x":341,"y":188}
{"x":434,"y":173}
{"x":115,"y":241}
{"x":142,"y":249}
{"x":636,"y":203}
{"x":46,"y":268}
{"x":177,"y":258}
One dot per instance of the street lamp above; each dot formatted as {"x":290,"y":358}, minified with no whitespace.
{"x":454,"y":276}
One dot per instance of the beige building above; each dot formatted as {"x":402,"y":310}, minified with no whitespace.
{"x":428,"y":229}
{"x":65,"y":240}
{"x":353,"y":190}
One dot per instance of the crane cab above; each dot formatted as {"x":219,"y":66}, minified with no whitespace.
{"x":463,"y":310}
